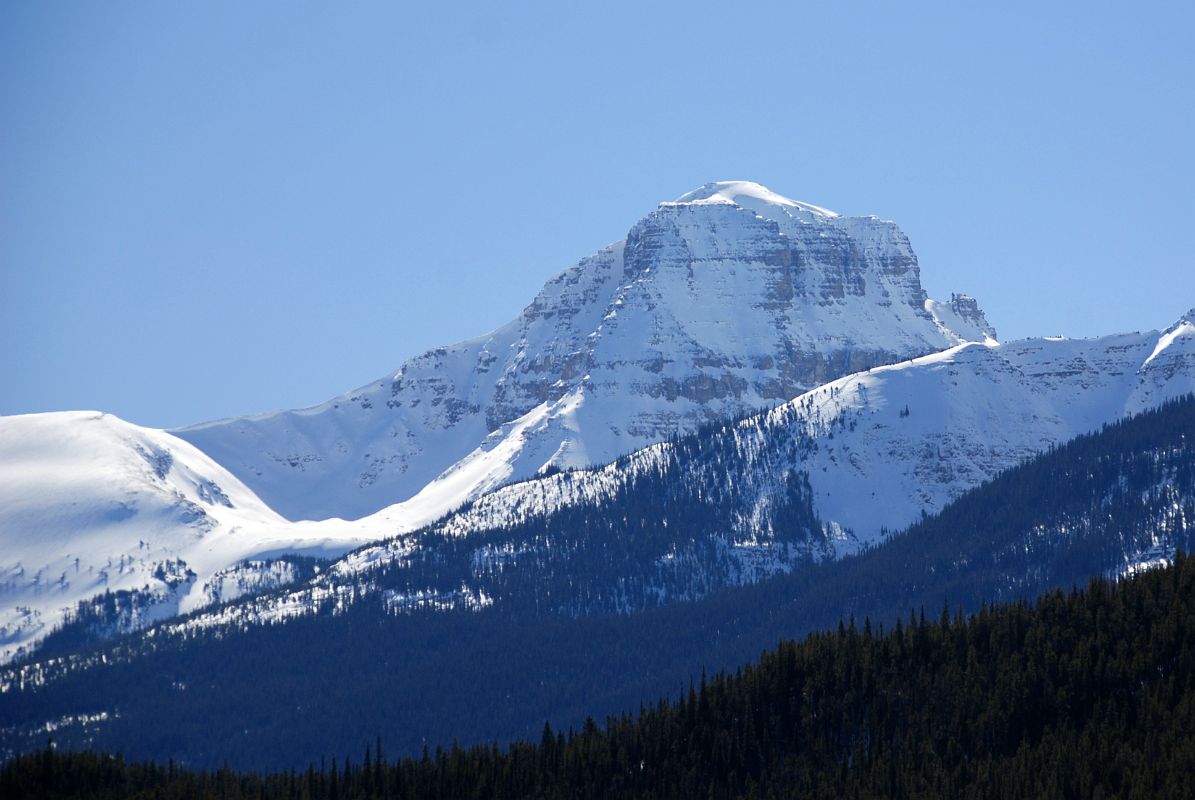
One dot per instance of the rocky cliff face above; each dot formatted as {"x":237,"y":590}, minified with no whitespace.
{"x":730,"y":299}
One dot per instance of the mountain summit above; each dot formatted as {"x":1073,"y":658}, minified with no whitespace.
{"x":747,"y":194}
{"x":729,"y":299}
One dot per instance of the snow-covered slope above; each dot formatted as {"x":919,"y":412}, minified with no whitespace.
{"x":908,"y":438}
{"x":90,"y":503}
{"x":1106,"y":504}
{"x":815,"y":478}
{"x":728,"y":300}
{"x":894,"y":441}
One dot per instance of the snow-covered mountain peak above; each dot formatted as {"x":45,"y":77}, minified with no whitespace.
{"x":749,"y":195}
{"x":730,"y":299}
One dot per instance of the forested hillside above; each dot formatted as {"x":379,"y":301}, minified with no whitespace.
{"x":1083,"y":694}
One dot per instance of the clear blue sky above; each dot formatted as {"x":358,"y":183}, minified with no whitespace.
{"x":209,"y":209}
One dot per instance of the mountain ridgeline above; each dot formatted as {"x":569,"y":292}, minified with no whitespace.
{"x":725,"y":506}
{"x":1109,"y":503}
{"x":886,"y":405}
{"x":725,"y":301}
{"x":729,"y":299}
{"x":1083,"y":694}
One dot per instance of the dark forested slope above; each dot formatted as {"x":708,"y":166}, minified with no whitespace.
{"x":1084,"y":694}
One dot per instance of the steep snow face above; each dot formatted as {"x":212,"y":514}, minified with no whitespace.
{"x":90,"y":503}
{"x":730,"y":299}
{"x":909,"y":438}
{"x":1170,"y":368}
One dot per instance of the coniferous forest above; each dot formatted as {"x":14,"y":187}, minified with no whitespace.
{"x":1086,"y":693}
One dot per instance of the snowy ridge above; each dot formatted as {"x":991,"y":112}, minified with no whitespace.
{"x":878,"y":449}
{"x":728,"y":300}
{"x":1128,"y":501}
{"x":917,"y":434}
{"x":913,"y":437}
{"x":142,"y":510}
{"x":90,"y":503}
{"x":751,"y":523}
{"x":1175,"y":351}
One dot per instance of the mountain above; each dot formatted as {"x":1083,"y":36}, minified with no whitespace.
{"x":598,"y":476}
{"x":1111,"y":503}
{"x":90,"y":503}
{"x":727,"y":300}
{"x":739,"y":289}
{"x":828,"y":474}
{"x":882,"y":447}
{"x":819,"y":477}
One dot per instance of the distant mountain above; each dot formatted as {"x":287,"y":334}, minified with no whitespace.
{"x":726,"y":301}
{"x":369,"y":659}
{"x":815,"y":478}
{"x":823,"y":476}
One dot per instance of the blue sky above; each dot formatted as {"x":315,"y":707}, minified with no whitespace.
{"x":212,"y":209}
